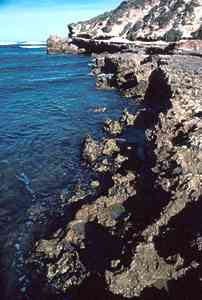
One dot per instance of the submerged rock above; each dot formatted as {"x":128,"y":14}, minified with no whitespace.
{"x":100,"y":109}
{"x":13,"y":187}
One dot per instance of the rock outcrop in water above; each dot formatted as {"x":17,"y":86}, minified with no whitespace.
{"x":56,"y":44}
{"x":138,"y":235}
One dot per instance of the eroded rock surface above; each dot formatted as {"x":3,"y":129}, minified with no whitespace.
{"x":125,"y":71}
{"x":138,"y":236}
{"x":176,"y":132}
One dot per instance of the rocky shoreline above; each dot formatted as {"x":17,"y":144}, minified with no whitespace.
{"x":80,"y":45}
{"x":136,"y":233}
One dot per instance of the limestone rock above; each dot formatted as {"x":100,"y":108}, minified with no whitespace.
{"x":56,"y":44}
{"x":145,"y":20}
{"x":144,"y":222}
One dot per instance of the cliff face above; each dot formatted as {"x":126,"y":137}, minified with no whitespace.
{"x":168,"y":20}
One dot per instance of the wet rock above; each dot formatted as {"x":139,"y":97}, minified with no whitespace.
{"x":110,"y":147}
{"x":127,"y":118}
{"x":108,"y":210}
{"x":79,"y":194}
{"x":113,"y":127}
{"x":100,"y":109}
{"x":91,"y":150}
{"x":57,"y":261}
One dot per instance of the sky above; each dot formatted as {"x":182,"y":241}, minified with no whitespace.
{"x":35,"y":20}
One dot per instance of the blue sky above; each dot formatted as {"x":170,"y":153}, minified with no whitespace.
{"x":35,"y":20}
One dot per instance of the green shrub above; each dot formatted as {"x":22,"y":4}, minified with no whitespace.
{"x":198,"y":34}
{"x":117,"y":210}
{"x":173,"y":35}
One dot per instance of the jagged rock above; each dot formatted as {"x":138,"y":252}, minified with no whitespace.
{"x":127,"y":118}
{"x":110,"y":147}
{"x":91,"y":150}
{"x":138,"y":227}
{"x":56,"y":261}
{"x":145,"y":225}
{"x":100,"y":156}
{"x":102,"y":209}
{"x":175,"y":142}
{"x":79,"y":195}
{"x":63,"y":269}
{"x":128,"y":72}
{"x":147,"y":269}
{"x":113,"y":127}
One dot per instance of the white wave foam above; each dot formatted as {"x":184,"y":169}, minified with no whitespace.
{"x":32,"y":43}
{"x":32,"y":46}
{"x":2,"y":43}
{"x":26,"y":44}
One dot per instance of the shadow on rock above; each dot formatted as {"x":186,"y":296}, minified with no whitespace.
{"x":101,"y":248}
